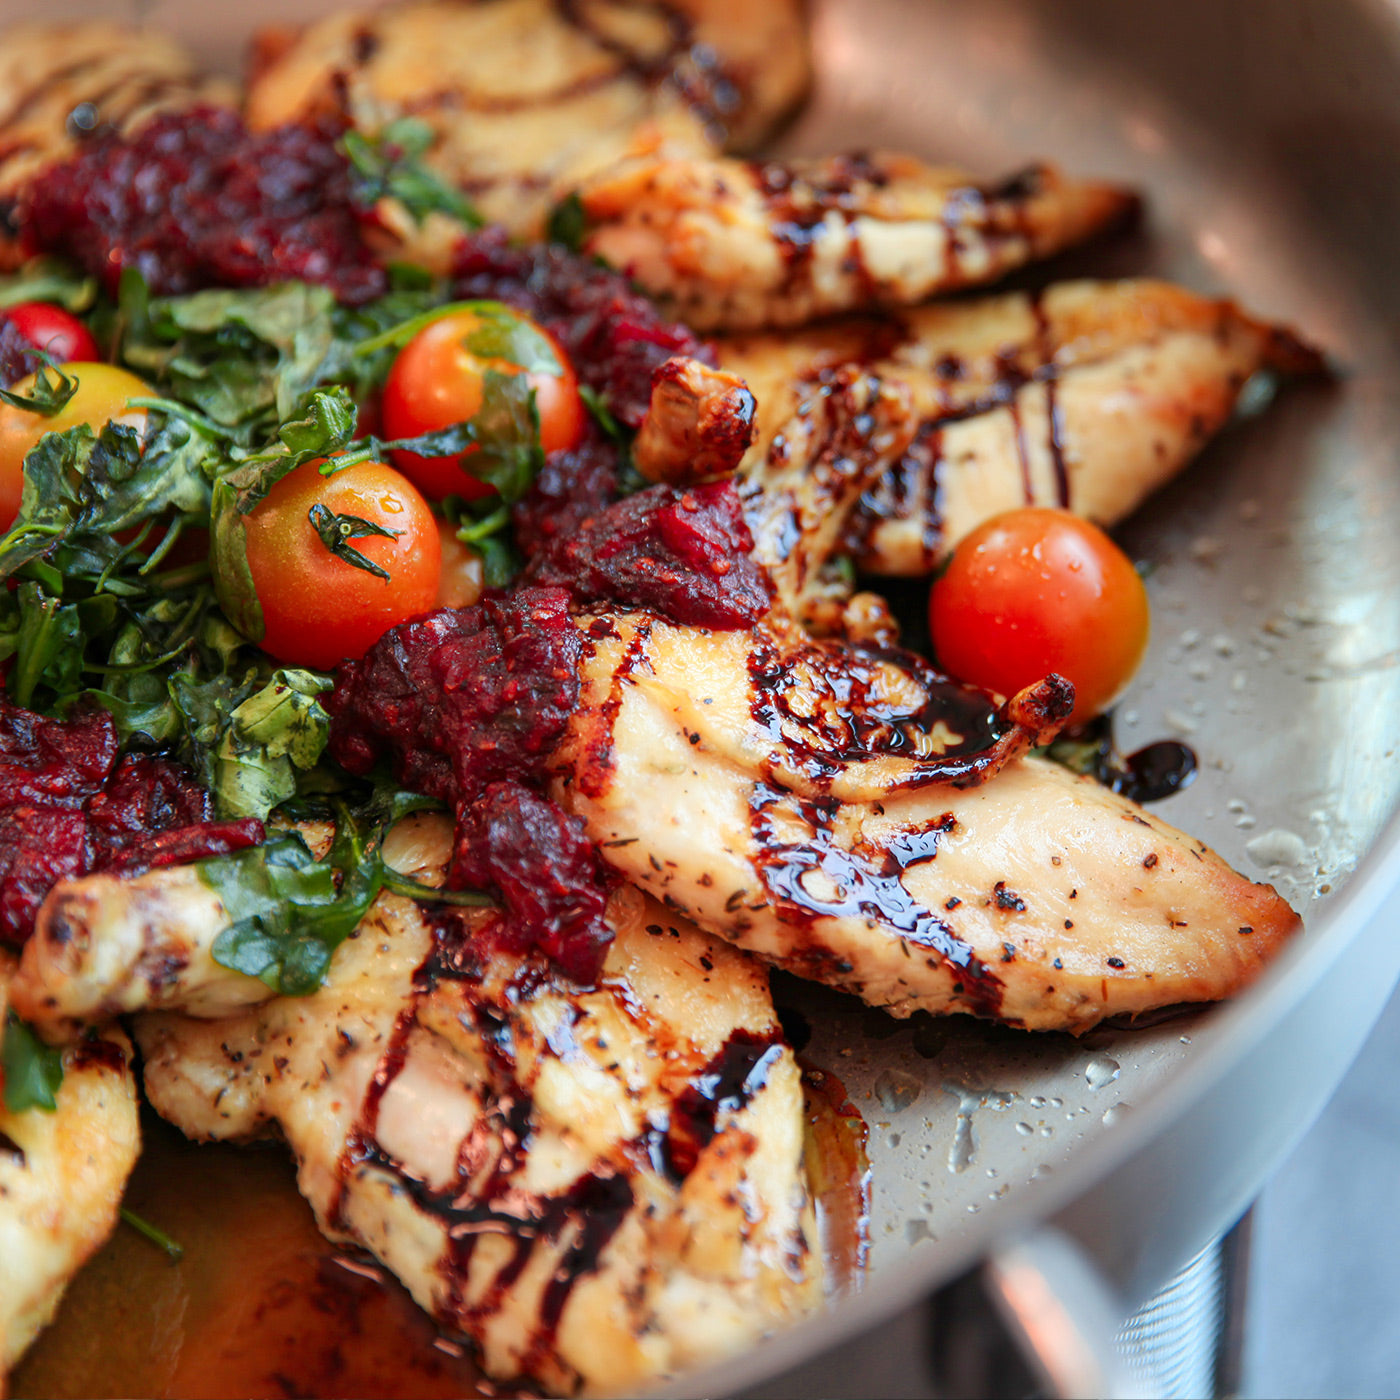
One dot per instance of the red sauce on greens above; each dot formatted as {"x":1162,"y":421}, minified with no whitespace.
{"x":69,"y":805}
{"x":467,"y":706}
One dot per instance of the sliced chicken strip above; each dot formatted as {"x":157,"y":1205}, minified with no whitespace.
{"x":108,"y":945}
{"x":848,"y":427}
{"x":734,"y":245}
{"x":597,"y":1187}
{"x":1089,"y":395}
{"x":62,"y":1175}
{"x":1029,"y":895}
{"x":526,"y":97}
{"x":60,"y":81}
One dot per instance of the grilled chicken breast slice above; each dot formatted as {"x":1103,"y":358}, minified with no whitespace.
{"x":848,"y":427}
{"x":707,"y":772}
{"x":62,"y":1175}
{"x":527,"y":97}
{"x":598,"y":1187}
{"x":1088,"y":395}
{"x":60,"y":81}
{"x":735,"y":245}
{"x":107,"y":945}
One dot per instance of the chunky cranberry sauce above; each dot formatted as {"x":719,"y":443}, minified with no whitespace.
{"x":682,"y":554}
{"x":467,"y":705}
{"x":194,"y":199}
{"x":572,"y":485}
{"x":69,"y":805}
{"x":614,"y":337}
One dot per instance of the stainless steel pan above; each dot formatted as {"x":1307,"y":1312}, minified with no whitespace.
{"x":1266,"y":137}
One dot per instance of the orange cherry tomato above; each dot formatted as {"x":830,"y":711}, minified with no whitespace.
{"x":318,"y":609}
{"x":436,"y":382}
{"x":462,"y":576}
{"x":101,"y":397}
{"x":1035,"y":591}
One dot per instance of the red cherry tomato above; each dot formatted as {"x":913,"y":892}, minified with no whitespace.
{"x":51,"y":329}
{"x":1038,"y":590}
{"x":101,"y":397}
{"x":436,"y":381}
{"x":317,"y":608}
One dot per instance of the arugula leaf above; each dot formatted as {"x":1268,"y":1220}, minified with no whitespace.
{"x":237,"y":356}
{"x":504,"y":334}
{"x":45,"y":644}
{"x":290,"y":912}
{"x":32,"y":1071}
{"x":266,"y":889}
{"x":78,"y":483}
{"x":484,"y":525}
{"x":336,"y":531}
{"x":568,"y":222}
{"x":348,"y":362}
{"x":275,"y":731}
{"x":388,"y":166}
{"x":49,"y":279}
{"x":506,"y":429}
{"x":505,"y":432}
{"x":594,"y":402}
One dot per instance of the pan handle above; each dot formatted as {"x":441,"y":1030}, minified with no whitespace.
{"x":1052,"y":1321}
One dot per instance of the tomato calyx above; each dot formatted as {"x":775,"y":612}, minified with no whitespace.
{"x":336,"y":531}
{"x":45,"y":397}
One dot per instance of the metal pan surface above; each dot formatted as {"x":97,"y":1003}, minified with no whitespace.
{"x":1265,"y":136}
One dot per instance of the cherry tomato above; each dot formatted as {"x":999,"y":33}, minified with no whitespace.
{"x":51,"y":329}
{"x":1039,"y":590}
{"x":101,"y":397}
{"x":318,"y":608}
{"x":436,"y":381}
{"x":461,"y":579}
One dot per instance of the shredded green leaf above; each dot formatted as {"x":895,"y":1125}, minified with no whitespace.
{"x":389,"y":166}
{"x":502,"y":334}
{"x":568,"y":222}
{"x":289,"y":912}
{"x":49,"y":279}
{"x":32,"y":1070}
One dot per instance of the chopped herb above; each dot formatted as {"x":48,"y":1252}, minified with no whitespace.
{"x":289,"y":912}
{"x":388,"y":166}
{"x":567,"y":222}
{"x":173,"y":1249}
{"x":49,"y":279}
{"x":324,"y":429}
{"x":593,"y":401}
{"x":502,"y":333}
{"x":32,"y":1070}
